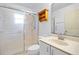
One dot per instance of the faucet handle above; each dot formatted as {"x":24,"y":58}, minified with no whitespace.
{"x":61,"y":36}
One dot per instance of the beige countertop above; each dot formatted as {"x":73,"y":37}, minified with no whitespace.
{"x":70,"y":46}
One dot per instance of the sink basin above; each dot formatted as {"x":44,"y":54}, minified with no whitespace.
{"x":60,"y":42}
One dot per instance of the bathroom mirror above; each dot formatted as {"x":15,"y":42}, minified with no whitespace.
{"x":66,"y":21}
{"x":71,"y":22}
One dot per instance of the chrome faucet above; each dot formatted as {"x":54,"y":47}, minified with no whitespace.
{"x":61,"y":36}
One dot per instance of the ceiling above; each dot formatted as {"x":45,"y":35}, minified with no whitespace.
{"x":35,"y":7}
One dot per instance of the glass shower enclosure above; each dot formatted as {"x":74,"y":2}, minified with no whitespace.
{"x":17,"y":30}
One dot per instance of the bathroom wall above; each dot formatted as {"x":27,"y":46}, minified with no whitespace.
{"x":45,"y":27}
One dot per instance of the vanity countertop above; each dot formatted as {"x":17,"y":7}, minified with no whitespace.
{"x":67,"y":45}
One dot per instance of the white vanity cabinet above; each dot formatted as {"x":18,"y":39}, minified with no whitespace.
{"x":55,"y":51}
{"x":44,"y":48}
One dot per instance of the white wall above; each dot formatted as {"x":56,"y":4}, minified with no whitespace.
{"x":45,"y":27}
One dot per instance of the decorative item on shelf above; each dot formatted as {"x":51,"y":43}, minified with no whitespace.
{"x":43,"y":15}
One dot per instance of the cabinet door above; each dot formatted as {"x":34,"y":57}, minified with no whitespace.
{"x":44,"y":48}
{"x":55,"y":51}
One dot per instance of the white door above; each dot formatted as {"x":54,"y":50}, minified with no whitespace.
{"x":44,"y":48}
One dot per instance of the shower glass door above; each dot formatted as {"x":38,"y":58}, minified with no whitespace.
{"x":11,"y":31}
{"x":31,"y":30}
{"x":18,"y":31}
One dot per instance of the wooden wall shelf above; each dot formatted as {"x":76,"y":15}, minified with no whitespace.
{"x":43,"y":15}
